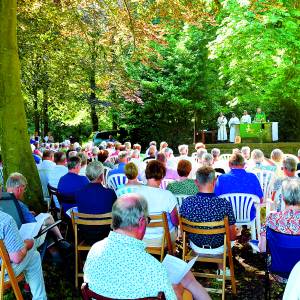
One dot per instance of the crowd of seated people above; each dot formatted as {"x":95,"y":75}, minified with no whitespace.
{"x":203,"y":177}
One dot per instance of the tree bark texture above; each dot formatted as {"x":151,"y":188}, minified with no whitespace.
{"x":14,"y":139}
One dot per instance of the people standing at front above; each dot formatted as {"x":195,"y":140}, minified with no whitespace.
{"x":222,"y":133}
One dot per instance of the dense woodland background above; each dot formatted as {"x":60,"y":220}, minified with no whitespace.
{"x":157,"y":68}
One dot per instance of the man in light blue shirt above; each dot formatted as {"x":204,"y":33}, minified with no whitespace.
{"x":23,"y":256}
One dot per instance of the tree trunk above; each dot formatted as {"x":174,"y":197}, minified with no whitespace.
{"x":36,"y":114}
{"x":92,"y":101}
{"x":15,"y":148}
{"x":45,"y":113}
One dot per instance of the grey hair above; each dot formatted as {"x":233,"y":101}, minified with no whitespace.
{"x":257,"y":155}
{"x":215,"y":152}
{"x":183,"y":148}
{"x":291,"y":191}
{"x":201,"y":152}
{"x":245,"y":150}
{"x":207,"y":159}
{"x":15,"y":179}
{"x":277,"y":155}
{"x":289,"y":163}
{"x":205,"y":175}
{"x":94,"y":170}
{"x":127,"y":211}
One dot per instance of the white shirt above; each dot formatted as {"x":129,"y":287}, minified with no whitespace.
{"x":56,"y":173}
{"x":292,"y":291}
{"x":158,"y":200}
{"x":246,"y":119}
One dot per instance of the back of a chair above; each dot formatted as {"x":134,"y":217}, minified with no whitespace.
{"x":43,"y":174}
{"x":241,"y":205}
{"x":284,"y":250}
{"x":161,"y":220}
{"x":165,"y":182}
{"x":90,"y":219}
{"x":6,"y":266}
{"x":225,"y":156}
{"x":105,"y":175}
{"x":87,"y":294}
{"x":116,"y":180}
{"x":9,"y":204}
{"x":204,"y":228}
{"x":266,"y":180}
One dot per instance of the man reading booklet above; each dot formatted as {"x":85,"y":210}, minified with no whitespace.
{"x":119,"y":267}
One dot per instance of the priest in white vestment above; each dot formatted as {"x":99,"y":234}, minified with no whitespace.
{"x":222,"y":133}
{"x":232,"y":122}
{"x":245,"y":119}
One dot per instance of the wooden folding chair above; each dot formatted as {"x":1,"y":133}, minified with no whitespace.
{"x":161,"y":220}
{"x":209,"y":228}
{"x":87,"y":220}
{"x":13,"y":280}
{"x":87,"y":294}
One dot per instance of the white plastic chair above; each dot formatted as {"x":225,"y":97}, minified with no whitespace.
{"x":164,"y":183}
{"x":116,"y":180}
{"x":179,"y":199}
{"x":105,"y":175}
{"x":266,"y":180}
{"x":225,"y":156}
{"x":241,"y":205}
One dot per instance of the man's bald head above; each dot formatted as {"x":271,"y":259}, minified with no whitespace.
{"x":128,"y":210}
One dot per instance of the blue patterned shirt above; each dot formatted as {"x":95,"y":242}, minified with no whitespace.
{"x":119,"y":267}
{"x":206,"y":207}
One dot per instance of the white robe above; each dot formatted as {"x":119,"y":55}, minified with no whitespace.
{"x":222,"y":133}
{"x":231,"y":123}
{"x":246,"y":119}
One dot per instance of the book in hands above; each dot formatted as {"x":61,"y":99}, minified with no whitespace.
{"x":31,"y":230}
{"x":177,"y":268}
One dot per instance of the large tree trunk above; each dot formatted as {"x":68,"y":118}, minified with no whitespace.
{"x":45,"y":112}
{"x":92,"y":101}
{"x":15,"y":148}
{"x":36,"y":111}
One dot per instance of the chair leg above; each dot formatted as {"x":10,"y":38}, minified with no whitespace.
{"x":232,"y":276}
{"x":76,"y":268}
{"x":224,"y":272}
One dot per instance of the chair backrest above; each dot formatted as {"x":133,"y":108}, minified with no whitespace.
{"x":87,"y":294}
{"x":266,"y":180}
{"x":284,"y":250}
{"x":241,"y":205}
{"x":115,"y":180}
{"x":6,"y":267}
{"x":52,"y":208}
{"x":161,"y":220}
{"x":225,"y":156}
{"x":43,"y":174}
{"x":9,"y":204}
{"x":90,"y":219}
{"x":105,"y":175}
{"x":164,"y":183}
{"x":179,"y":198}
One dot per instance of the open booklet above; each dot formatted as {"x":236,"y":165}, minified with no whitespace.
{"x":177,"y":268}
{"x":31,"y":230}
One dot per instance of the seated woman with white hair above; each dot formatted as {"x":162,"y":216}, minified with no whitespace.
{"x":258,"y":162}
{"x":286,"y":221}
{"x":277,"y":158}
